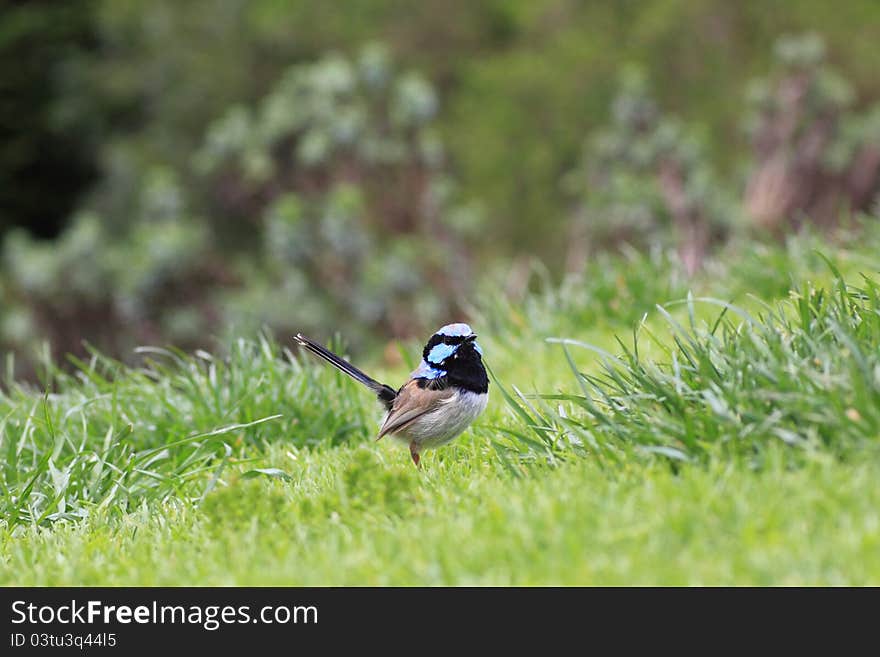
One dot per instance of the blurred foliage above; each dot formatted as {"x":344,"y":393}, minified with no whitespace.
{"x":518,"y":119}
{"x":256,"y":164}
{"x":86,"y":285}
{"x":46,"y":133}
{"x":340,"y":168}
{"x":644,"y":180}
{"x":334,"y":187}
{"x":815,"y":156}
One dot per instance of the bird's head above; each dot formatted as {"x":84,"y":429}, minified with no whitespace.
{"x":453,"y":352}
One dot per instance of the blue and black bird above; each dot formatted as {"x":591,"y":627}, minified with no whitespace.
{"x":447,"y":391}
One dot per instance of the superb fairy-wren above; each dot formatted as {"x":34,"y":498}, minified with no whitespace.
{"x":447,"y":391}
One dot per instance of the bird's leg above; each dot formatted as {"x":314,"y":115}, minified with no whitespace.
{"x":414,"y":452}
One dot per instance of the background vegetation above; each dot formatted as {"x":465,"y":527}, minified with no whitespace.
{"x":662,"y":215}
{"x":176,"y":174}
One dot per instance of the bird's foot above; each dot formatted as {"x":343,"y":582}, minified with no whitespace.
{"x":413,"y":451}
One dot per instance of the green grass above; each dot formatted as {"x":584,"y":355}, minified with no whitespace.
{"x":805,"y":371}
{"x":365,"y":516}
{"x":732,"y":441}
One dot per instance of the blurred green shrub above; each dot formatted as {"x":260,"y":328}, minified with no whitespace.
{"x":341,"y":172}
{"x":319,"y":196}
{"x":643,"y":180}
{"x":647,"y":179}
{"x":90,"y":286}
{"x":814,"y":157}
{"x":336,"y":179}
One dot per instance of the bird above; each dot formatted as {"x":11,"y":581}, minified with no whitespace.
{"x":442,"y":397}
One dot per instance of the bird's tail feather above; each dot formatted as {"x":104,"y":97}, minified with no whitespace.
{"x":385,"y":393}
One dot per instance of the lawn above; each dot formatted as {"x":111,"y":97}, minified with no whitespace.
{"x":729,"y":444}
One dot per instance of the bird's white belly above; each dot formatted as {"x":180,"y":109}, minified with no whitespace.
{"x":447,"y":421}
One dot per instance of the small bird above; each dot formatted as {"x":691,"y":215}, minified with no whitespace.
{"x":447,"y":391}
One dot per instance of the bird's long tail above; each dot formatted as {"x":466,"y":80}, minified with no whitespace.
{"x":385,"y":393}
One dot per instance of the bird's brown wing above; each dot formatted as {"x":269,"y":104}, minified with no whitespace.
{"x":412,"y":402}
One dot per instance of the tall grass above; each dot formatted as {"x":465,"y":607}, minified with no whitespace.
{"x":803,"y":372}
{"x":109,"y":437}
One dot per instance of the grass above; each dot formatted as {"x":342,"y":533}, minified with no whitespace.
{"x":805,"y":371}
{"x":724,"y":442}
{"x":112,"y":437}
{"x":358,"y":515}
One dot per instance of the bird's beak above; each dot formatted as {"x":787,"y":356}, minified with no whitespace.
{"x":471,"y":338}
